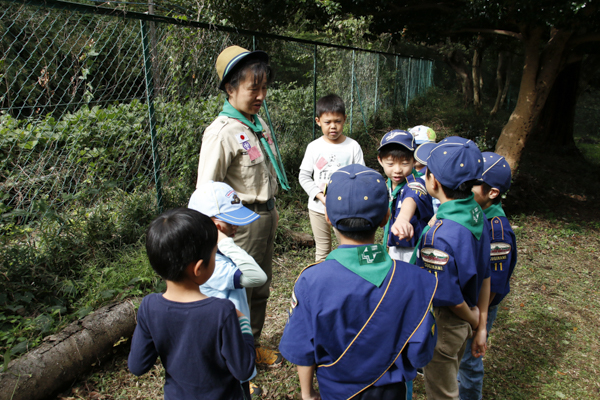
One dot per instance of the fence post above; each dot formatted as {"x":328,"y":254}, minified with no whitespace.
{"x":314,"y":92}
{"x":376,"y":85}
{"x":151,"y":116}
{"x":352,"y":93}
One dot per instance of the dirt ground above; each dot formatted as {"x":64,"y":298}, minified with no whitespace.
{"x":545,"y":342}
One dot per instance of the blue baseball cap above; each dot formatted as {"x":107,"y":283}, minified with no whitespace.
{"x":496,"y":171}
{"x":356,"y":191}
{"x":454,"y":161}
{"x":219,"y":200}
{"x":422,"y":152}
{"x":398,"y":136}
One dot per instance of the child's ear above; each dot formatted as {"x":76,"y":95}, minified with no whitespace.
{"x":494,"y":193}
{"x":327,"y":217}
{"x":196,"y":267}
{"x":318,"y":121}
{"x":379,"y":159}
{"x":385,"y":219}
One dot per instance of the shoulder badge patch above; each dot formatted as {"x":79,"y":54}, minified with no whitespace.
{"x":418,"y":187}
{"x":434,"y":259}
{"x":293,"y":303}
{"x":499,"y":251}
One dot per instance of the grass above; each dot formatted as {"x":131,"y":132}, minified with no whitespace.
{"x":545,"y":341}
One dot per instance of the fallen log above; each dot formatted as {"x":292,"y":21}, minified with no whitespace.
{"x":64,"y":357}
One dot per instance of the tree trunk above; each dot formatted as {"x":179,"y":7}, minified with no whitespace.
{"x":502,"y":80}
{"x":63,"y":357}
{"x":456,"y":60}
{"x":539,"y":73}
{"x":555,"y":127}
{"x":476,"y":69}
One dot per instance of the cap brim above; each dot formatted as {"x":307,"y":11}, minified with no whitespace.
{"x":240,"y":217}
{"x":258,"y":54}
{"x":423,"y":151}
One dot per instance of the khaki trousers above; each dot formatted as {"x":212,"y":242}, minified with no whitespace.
{"x":257,"y":240}
{"x":440,"y":373}
{"x":322,"y":233}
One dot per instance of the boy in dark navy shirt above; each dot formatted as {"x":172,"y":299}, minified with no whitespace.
{"x":496,"y":181}
{"x":361,"y":319}
{"x":456,"y":250}
{"x":198,"y":338}
{"x":410,"y":204}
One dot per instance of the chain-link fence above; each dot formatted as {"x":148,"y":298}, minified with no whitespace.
{"x":97,"y":103}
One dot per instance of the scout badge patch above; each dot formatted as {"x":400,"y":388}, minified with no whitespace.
{"x":434,"y":259}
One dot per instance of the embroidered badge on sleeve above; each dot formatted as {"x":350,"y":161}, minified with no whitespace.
{"x":499,"y":251}
{"x":418,"y":188}
{"x":434,"y":259}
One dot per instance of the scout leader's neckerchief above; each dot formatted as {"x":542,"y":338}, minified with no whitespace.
{"x":495,"y":210}
{"x":257,"y":128}
{"x":370,"y":262}
{"x":393,"y":195}
{"x":465,"y":212}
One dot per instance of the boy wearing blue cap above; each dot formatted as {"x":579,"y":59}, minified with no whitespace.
{"x":496,"y":181}
{"x":456,"y":249}
{"x":353,"y":317}
{"x":198,"y":338}
{"x":235,"y":269}
{"x":410,"y":204}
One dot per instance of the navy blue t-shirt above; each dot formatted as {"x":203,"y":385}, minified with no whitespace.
{"x":200,"y":344}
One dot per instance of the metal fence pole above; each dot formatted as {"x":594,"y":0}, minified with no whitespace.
{"x":376,"y":84}
{"x":151,"y":116}
{"x":352,"y":92}
{"x":315,"y":92}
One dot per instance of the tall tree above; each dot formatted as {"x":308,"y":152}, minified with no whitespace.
{"x":551,"y":33}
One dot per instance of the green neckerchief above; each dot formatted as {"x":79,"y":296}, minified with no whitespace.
{"x":370,"y":262}
{"x":413,"y":258}
{"x":495,"y":210}
{"x":231,"y":112}
{"x":394,"y":195}
{"x":465,"y":212}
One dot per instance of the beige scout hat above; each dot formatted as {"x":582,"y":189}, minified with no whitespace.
{"x":231,"y":56}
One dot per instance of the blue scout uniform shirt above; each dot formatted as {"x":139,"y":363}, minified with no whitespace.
{"x":415,"y":189}
{"x":458,"y":259}
{"x":327,"y":326}
{"x":503,"y":252}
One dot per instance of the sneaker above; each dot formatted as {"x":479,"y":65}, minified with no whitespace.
{"x":420,"y":371}
{"x":255,"y":391}
{"x":268,"y":358}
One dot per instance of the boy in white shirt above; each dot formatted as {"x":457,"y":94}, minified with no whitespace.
{"x":322,"y":158}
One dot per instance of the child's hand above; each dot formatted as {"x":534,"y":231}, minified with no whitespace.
{"x":403,"y":229}
{"x":220,"y":235}
{"x":314,"y":395}
{"x":320,"y":197}
{"x":479,"y":345}
{"x":239,"y":313}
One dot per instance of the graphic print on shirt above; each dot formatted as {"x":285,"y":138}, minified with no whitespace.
{"x":327,"y":164}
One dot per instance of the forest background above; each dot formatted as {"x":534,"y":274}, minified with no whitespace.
{"x":88,"y":251}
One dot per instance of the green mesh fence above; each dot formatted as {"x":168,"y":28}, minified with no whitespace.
{"x":97,"y":104}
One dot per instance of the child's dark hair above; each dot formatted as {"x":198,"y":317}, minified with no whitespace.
{"x":177,"y":238}
{"x":332,"y":103}
{"x":252,"y":67}
{"x":359,"y":236}
{"x":397,"y":151}
{"x":462,"y":192}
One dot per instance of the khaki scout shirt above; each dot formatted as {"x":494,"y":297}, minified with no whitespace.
{"x":224,"y":159}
